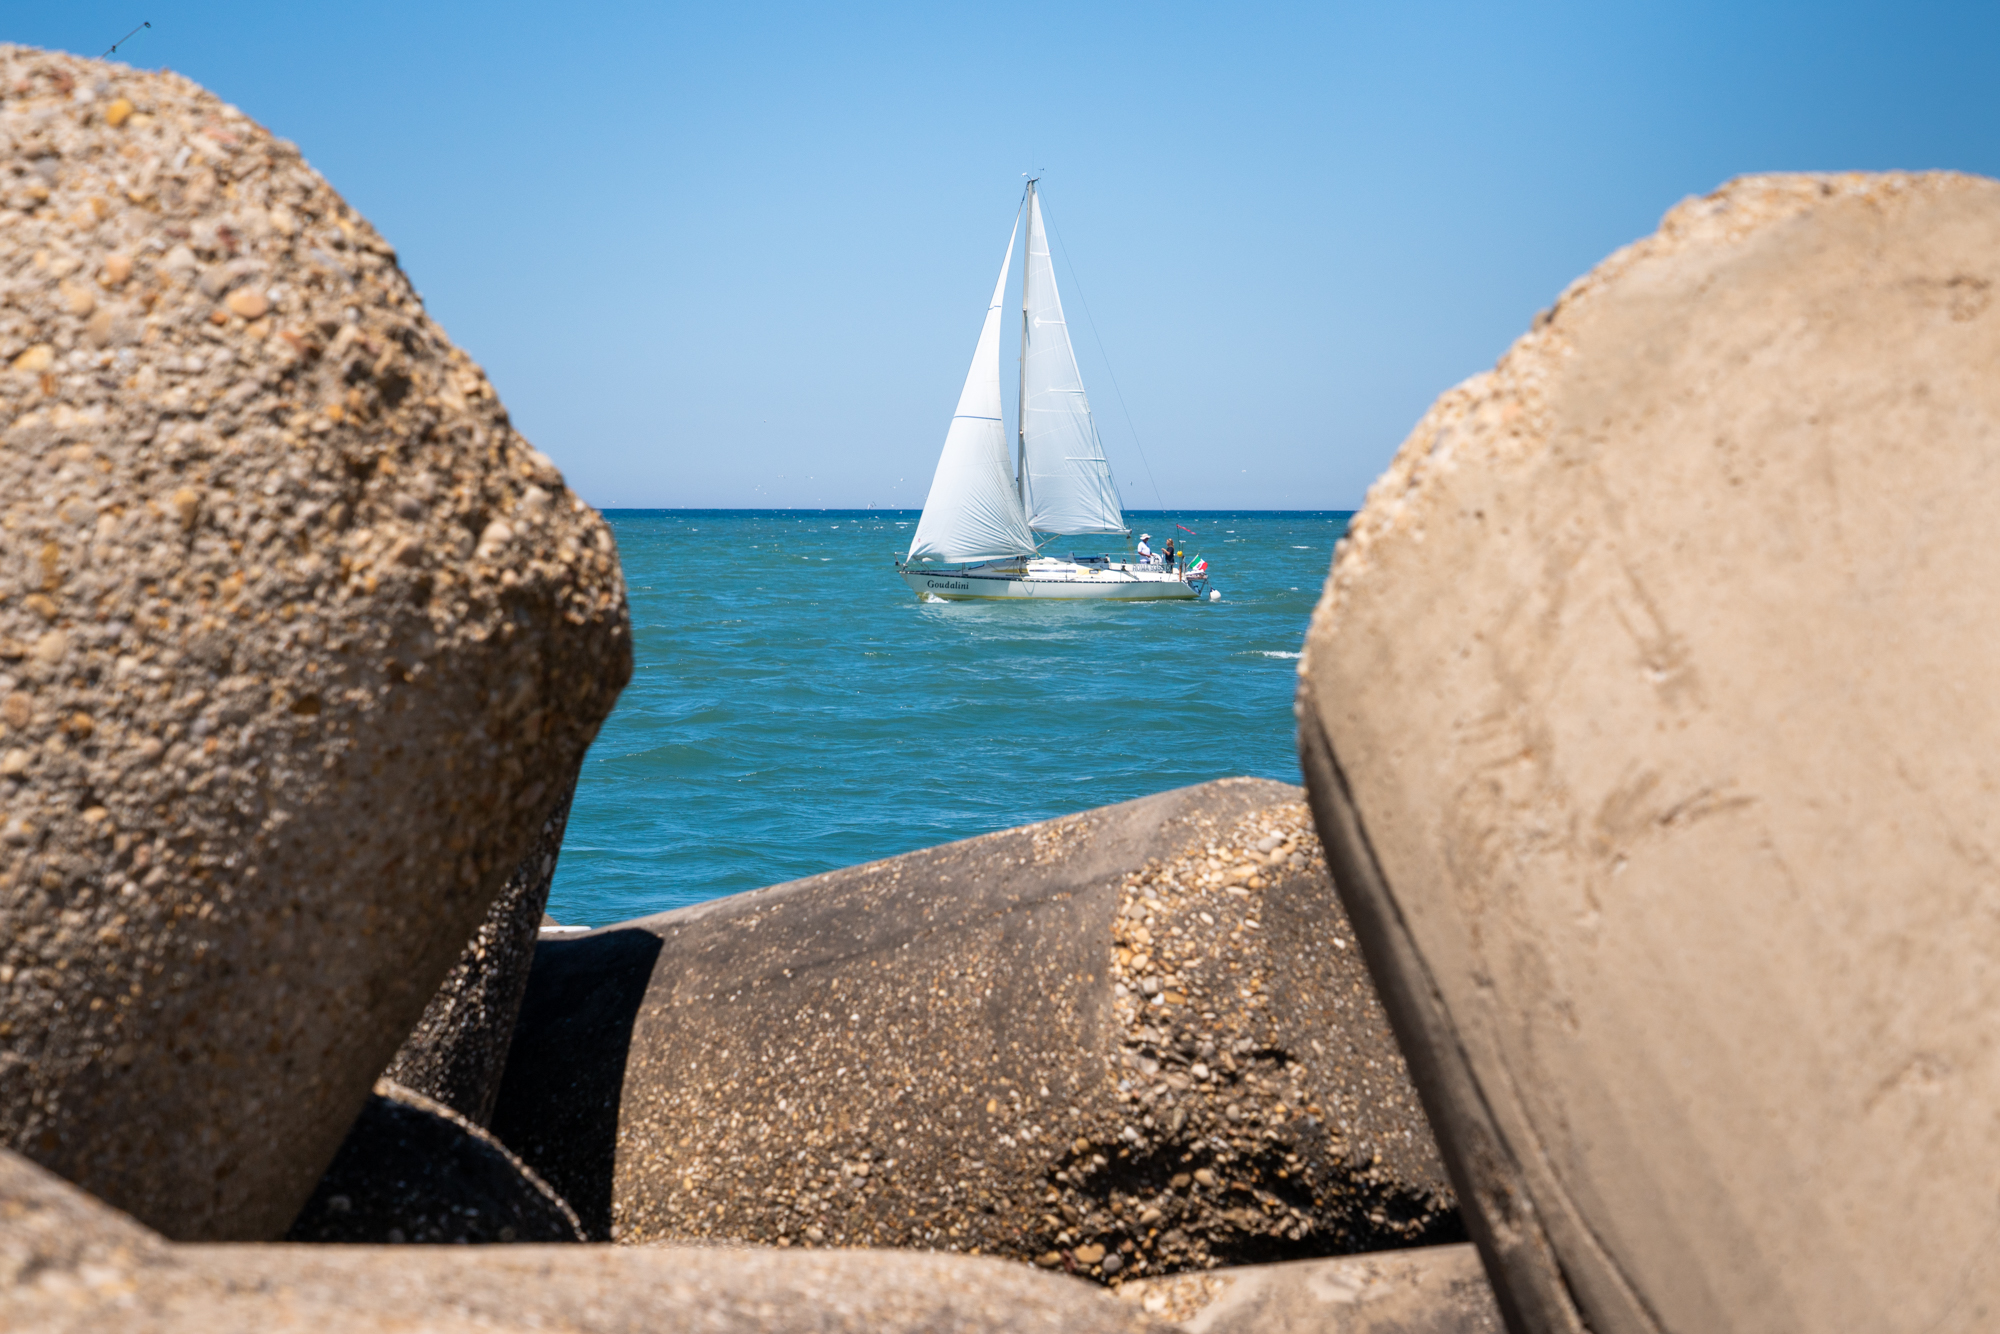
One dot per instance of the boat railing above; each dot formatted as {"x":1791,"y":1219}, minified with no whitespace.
{"x":1121,"y":560}
{"x":1130,"y":571}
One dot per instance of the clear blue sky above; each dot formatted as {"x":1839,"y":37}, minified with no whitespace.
{"x":737,"y":254}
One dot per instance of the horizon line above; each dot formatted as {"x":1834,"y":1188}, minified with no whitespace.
{"x":909,"y":509}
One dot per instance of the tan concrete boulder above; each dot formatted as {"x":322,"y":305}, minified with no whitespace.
{"x":299,"y":642}
{"x":69,"y":1265}
{"x":1126,"y":1041}
{"x":414,"y":1171}
{"x":56,"y":1239}
{"x":1423,"y":1290}
{"x":1647,"y":717}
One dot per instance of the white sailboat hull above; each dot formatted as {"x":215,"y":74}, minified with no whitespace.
{"x":1048,"y":579}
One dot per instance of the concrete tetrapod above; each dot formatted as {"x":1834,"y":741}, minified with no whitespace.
{"x":1423,"y":1290}
{"x":1127,"y":1041}
{"x":458,"y":1049}
{"x":69,"y":1265}
{"x":1644,"y":717}
{"x":413,"y":1170}
{"x":300,"y":643}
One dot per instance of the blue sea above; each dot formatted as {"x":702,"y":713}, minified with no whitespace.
{"x":794,"y":708}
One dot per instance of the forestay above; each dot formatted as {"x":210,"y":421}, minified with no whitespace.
{"x":1065,"y":481}
{"x":973,"y":511}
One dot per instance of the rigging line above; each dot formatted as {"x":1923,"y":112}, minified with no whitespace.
{"x":1130,"y":425}
{"x":121,"y":41}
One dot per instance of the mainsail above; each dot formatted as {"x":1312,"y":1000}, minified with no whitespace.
{"x":1065,"y":482}
{"x":973,"y":511}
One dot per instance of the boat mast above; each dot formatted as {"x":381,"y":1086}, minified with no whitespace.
{"x":1021,"y":398}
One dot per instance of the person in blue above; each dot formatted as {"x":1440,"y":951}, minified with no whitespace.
{"x":1167,"y":553}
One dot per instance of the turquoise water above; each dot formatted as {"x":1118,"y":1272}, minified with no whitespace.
{"x":794,"y":708}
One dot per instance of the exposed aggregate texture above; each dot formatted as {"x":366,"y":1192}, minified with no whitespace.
{"x":457,"y":1051}
{"x":952,"y":1050}
{"x":299,"y":642}
{"x":1259,"y":1077}
{"x":414,"y":1171}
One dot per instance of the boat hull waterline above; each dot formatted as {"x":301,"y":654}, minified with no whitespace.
{"x":1068,"y":582}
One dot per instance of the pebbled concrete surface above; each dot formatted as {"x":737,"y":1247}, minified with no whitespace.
{"x":299,"y":641}
{"x":458,"y":1050}
{"x":413,"y":1170}
{"x":1118,"y":1042}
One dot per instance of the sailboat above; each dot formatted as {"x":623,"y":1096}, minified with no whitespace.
{"x":988,"y":515}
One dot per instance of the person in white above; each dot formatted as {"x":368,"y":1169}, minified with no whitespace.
{"x":1145,"y":552}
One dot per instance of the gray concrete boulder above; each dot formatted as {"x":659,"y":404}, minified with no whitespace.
{"x":299,"y":641}
{"x":1424,"y":1290}
{"x":1647,"y":720}
{"x":413,"y":1170}
{"x":69,"y":1265}
{"x":459,"y":1047}
{"x":1126,"y":1041}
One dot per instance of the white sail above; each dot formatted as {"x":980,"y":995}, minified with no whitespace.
{"x":1066,"y":484}
{"x":973,"y":511}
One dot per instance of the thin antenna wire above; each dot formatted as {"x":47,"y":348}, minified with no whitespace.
{"x":122,"y":40}
{"x":1130,"y":425}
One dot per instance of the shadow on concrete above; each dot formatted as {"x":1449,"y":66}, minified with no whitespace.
{"x":558,"y":1103}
